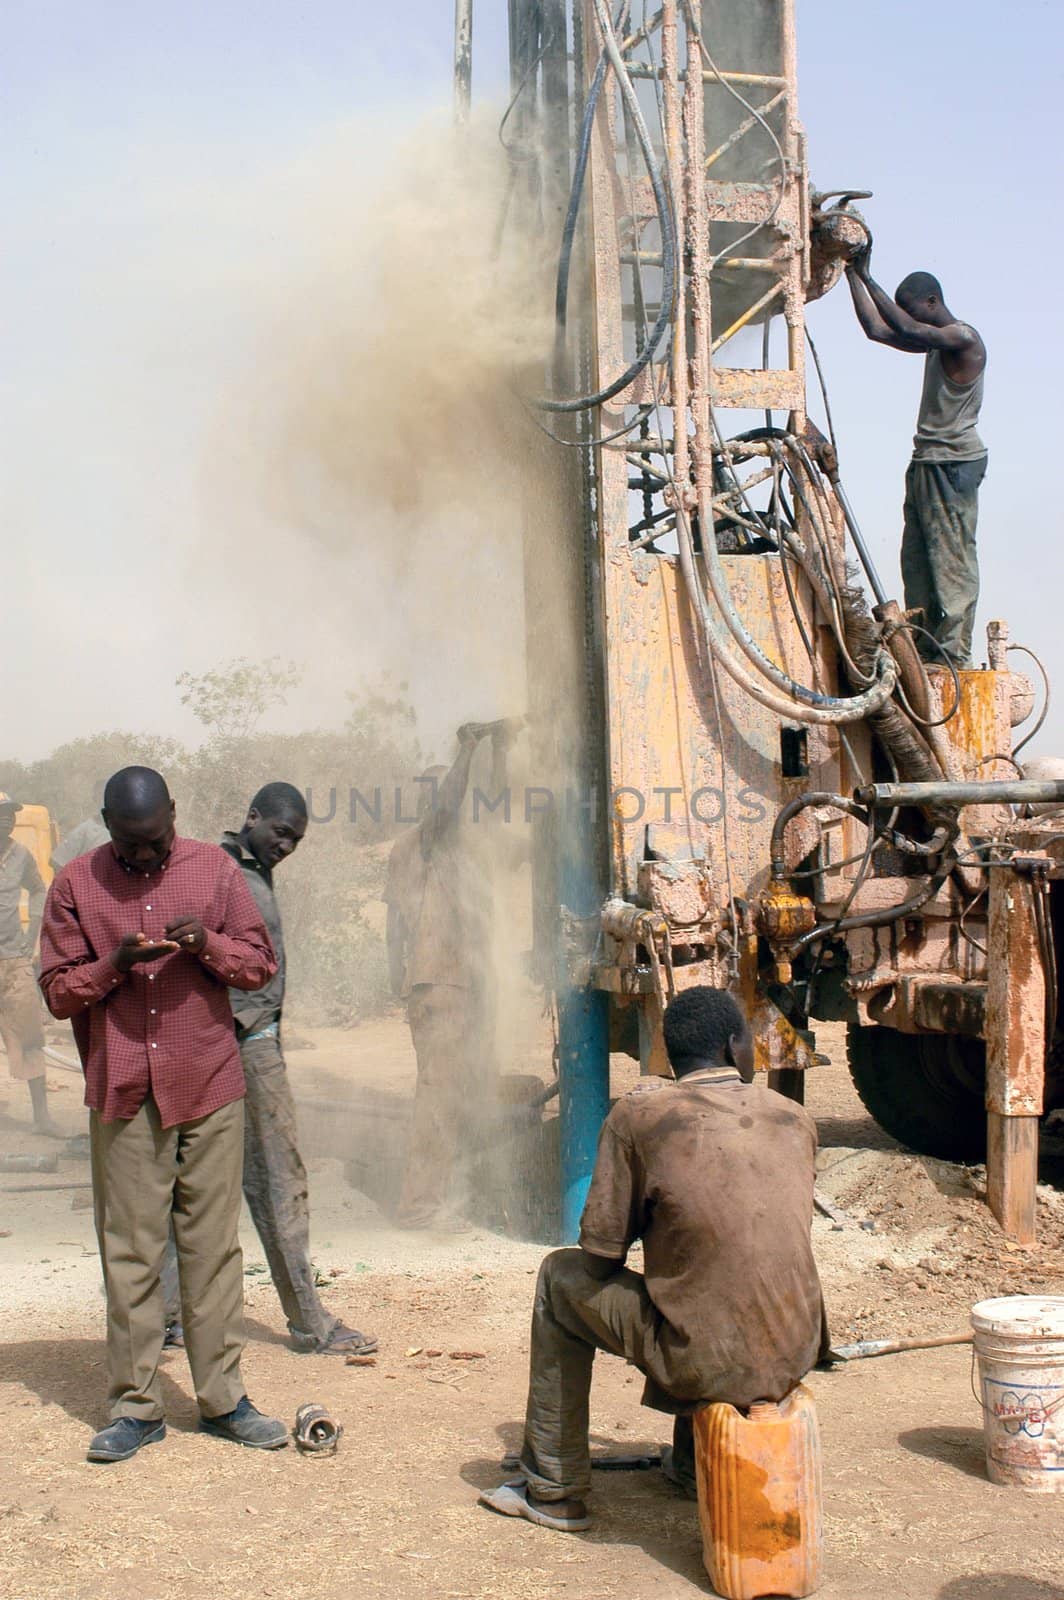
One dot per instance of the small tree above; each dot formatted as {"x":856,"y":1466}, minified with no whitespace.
{"x":232,"y":699}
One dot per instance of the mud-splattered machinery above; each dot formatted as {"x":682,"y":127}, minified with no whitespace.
{"x":798,"y":806}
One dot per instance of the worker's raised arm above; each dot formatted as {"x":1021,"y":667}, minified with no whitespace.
{"x":447,"y":798}
{"x":956,"y":337}
{"x":916,"y":320}
{"x":871,"y":318}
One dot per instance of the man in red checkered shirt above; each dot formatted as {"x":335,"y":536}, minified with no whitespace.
{"x":141,"y":941}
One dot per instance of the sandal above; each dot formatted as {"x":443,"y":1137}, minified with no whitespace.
{"x":348,"y":1342}
{"x":511,"y":1500}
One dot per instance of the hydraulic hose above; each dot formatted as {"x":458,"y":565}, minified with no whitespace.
{"x":829,"y":708}
{"x":666,"y":221}
{"x":826,"y":713}
{"x":875,"y":919}
{"x":1023,"y":650}
{"x":583,"y":149}
{"x":856,"y":535}
{"x":881,"y":681}
{"x":889,"y":835}
{"x":802,"y":802}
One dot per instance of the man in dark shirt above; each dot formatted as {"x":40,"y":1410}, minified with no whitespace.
{"x":140,"y":942}
{"x":275,"y":1179}
{"x":20,"y":1006}
{"x":715,"y":1175}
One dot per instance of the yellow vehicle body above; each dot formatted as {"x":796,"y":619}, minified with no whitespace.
{"x":35,"y":829}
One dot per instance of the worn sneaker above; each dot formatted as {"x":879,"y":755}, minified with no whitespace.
{"x":245,"y":1425}
{"x":124,"y":1437}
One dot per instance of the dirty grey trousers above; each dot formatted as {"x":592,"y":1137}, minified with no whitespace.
{"x":574,"y":1315}
{"x":939,"y":564}
{"x":275,"y":1188}
{"x":447,"y":1103}
{"x":144,"y":1176}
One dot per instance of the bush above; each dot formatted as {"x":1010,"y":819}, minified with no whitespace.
{"x":330,"y":892}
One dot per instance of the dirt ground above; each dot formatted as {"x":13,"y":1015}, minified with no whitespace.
{"x":909,"y":1511}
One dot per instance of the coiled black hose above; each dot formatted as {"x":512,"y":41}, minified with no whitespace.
{"x":611,"y":57}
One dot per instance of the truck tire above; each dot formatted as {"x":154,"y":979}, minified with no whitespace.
{"x":925,"y":1089}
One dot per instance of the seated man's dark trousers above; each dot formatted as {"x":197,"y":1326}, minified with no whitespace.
{"x":574,"y":1315}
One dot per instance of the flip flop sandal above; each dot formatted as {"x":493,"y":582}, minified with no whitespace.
{"x":350,"y":1343}
{"x":511,"y":1499}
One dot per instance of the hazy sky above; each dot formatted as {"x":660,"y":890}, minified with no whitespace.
{"x":151,"y":152}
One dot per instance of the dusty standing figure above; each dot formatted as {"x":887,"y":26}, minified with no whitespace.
{"x":438,"y":902}
{"x":275,"y":1179}
{"x":939,"y":564}
{"x":140,"y":942}
{"x":20,"y":1006}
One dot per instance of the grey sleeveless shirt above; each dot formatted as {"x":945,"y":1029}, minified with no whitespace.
{"x":946,"y":426}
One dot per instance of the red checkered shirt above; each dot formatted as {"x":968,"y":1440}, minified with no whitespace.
{"x":165,"y":1028}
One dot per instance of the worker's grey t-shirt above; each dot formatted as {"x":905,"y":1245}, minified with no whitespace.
{"x":254,"y":1010}
{"x":946,"y":425}
{"x":716,"y":1177}
{"x":18,"y":871}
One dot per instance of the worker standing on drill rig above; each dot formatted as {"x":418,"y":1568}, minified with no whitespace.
{"x":939,"y":564}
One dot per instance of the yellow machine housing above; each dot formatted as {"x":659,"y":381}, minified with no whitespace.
{"x":35,"y":829}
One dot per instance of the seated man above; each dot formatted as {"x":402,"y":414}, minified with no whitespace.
{"x":716,"y":1177}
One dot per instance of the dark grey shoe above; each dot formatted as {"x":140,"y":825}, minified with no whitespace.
{"x":678,"y":1473}
{"x":247,"y":1426}
{"x":124,"y":1437}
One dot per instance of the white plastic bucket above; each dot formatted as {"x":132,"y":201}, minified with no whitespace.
{"x":1019,"y":1346}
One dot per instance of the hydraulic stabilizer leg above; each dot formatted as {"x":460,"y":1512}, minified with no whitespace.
{"x":1015,"y":1044}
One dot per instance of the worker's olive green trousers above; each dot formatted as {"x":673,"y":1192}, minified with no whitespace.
{"x":939,"y":564}
{"x":574,"y":1315}
{"x":141,"y":1174}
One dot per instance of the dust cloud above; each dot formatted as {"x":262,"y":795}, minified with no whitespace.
{"x":375,"y":448}
{"x":369,"y":485}
{"x":388,"y":460}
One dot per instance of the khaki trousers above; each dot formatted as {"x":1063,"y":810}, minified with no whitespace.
{"x":20,"y":1019}
{"x":142,"y":1173}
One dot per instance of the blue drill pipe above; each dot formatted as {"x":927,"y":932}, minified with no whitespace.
{"x":583,"y":1027}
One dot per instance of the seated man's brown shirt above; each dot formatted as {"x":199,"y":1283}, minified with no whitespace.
{"x":716,"y":1177}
